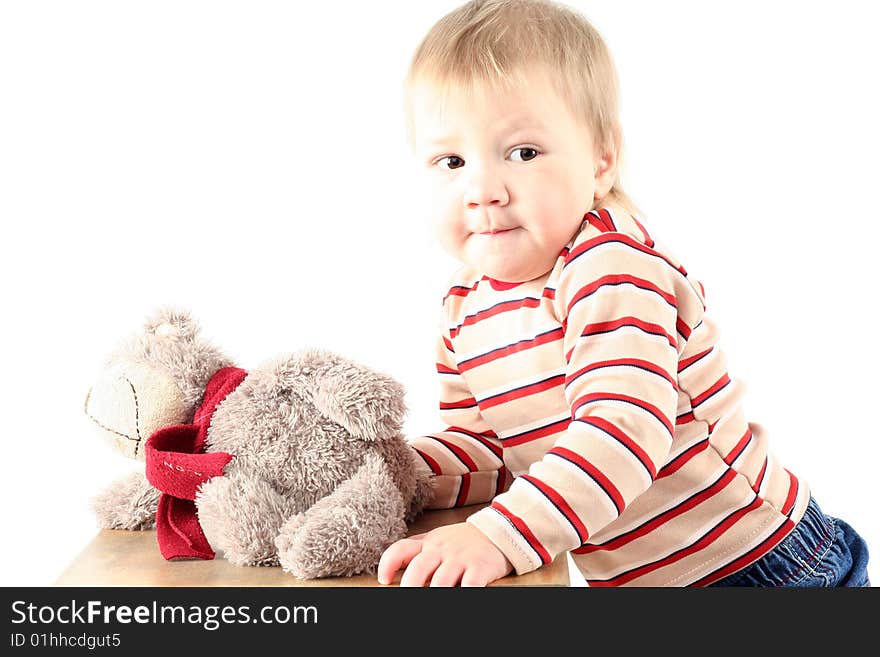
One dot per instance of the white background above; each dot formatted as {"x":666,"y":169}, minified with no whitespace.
{"x":247,"y":160}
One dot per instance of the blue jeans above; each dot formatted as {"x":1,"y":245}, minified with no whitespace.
{"x":820,"y":551}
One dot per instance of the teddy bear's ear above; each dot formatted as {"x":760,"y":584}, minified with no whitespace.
{"x":369,"y":404}
{"x":171,"y":322}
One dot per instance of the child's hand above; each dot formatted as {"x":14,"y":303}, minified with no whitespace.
{"x":445,"y":556}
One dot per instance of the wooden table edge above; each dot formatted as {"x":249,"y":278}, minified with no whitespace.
{"x":120,"y":558}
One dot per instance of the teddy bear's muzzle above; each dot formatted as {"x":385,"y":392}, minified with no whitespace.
{"x":130,"y":401}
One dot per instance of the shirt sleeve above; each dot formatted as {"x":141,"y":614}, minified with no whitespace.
{"x":624,"y":310}
{"x":466,"y":458}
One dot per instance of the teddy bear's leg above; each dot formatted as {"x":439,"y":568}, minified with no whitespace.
{"x":128,"y":503}
{"x":345,"y":532}
{"x":241,"y":516}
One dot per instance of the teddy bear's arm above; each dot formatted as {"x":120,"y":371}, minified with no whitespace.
{"x":345,"y":532}
{"x":128,"y":503}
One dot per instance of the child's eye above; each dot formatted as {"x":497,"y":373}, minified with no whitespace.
{"x":527,"y":153}
{"x":454,"y":161}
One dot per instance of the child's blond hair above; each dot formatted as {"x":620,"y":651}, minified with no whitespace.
{"x":492,"y":43}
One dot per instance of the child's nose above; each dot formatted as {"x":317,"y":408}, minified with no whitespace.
{"x":485,"y":189}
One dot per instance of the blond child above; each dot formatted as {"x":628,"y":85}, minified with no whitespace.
{"x":584,"y":390}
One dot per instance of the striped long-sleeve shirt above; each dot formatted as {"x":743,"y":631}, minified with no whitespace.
{"x":593,"y":408}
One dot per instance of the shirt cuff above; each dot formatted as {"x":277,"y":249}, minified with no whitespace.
{"x":506,"y":538}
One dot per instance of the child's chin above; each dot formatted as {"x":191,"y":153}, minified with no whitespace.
{"x":504,"y":274}
{"x":494,"y":265}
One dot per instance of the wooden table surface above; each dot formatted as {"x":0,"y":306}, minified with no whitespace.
{"x":132,"y":558}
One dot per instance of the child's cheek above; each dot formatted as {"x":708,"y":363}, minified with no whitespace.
{"x":444,"y":207}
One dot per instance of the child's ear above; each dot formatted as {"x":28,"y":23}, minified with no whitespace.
{"x":607,"y":161}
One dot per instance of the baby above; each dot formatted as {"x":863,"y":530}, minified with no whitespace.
{"x":584,"y":390}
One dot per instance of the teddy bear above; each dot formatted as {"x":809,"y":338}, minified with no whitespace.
{"x":299,"y":462}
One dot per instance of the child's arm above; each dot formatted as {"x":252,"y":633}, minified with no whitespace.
{"x":466,"y":457}
{"x":626,"y":310}
{"x":466,"y":460}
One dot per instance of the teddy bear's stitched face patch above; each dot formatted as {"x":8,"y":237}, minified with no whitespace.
{"x":130,"y":401}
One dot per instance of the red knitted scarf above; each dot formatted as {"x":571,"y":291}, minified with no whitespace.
{"x":177,"y":465}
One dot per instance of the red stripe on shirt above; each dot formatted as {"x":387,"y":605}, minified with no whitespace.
{"x":613,"y":396}
{"x":559,"y":502}
{"x":500,"y":286}
{"x":684,"y":418}
{"x":760,"y":478}
{"x":648,"y":240}
{"x":679,"y":461}
{"x":623,"y":362}
{"x":435,"y":467}
{"x":658,"y":520}
{"x":495,"y":354}
{"x":462,"y":403}
{"x":738,"y":448}
{"x":604,"y":482}
{"x":524,"y":531}
{"x":488,"y":433}
{"x":621,"y":279}
{"x":749,"y":557}
{"x":460,"y":291}
{"x":607,"y":218}
{"x":594,"y":219}
{"x":720,"y":383}
{"x":492,"y":447}
{"x":462,"y":455}
{"x":535,"y":434}
{"x":682,"y":364}
{"x":614,"y":324}
{"x":624,"y":439}
{"x":523,"y":391}
{"x":682,"y":327}
{"x":620,"y":238}
{"x":701,"y":544}
{"x":792,"y":493}
{"x":444,"y":369}
{"x":503,"y":307}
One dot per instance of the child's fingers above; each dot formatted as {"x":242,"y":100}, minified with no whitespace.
{"x":420,"y":569}
{"x":395,"y":557}
{"x":476,"y":577}
{"x":447,"y":574}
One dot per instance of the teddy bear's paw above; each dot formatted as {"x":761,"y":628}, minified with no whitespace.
{"x":240,"y":517}
{"x":128,"y":503}
{"x":345,"y":532}
{"x":333,"y":542}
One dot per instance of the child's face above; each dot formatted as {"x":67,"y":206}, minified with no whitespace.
{"x":509,"y":176}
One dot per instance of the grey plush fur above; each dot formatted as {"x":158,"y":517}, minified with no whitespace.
{"x":129,"y":503}
{"x":322,"y":480}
